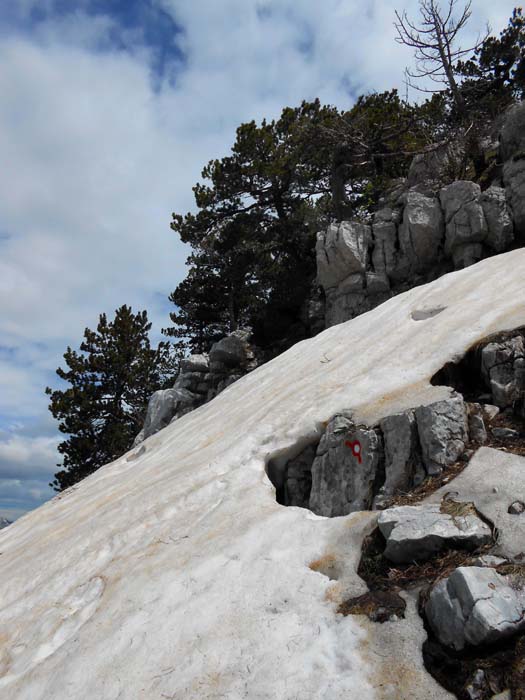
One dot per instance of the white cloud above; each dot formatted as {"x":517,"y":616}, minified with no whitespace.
{"x":23,"y":457}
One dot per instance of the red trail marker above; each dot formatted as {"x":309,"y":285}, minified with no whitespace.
{"x":355,"y":446}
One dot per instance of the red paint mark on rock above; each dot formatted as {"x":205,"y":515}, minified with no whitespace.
{"x":355,"y":446}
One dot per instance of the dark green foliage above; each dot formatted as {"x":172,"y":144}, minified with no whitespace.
{"x":111,"y":379}
{"x":495,"y":75}
{"x":253,"y":234}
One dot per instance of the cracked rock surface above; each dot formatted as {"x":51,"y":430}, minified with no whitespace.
{"x":342,"y":478}
{"x":416,"y":533}
{"x":473,"y":606}
{"x":443,"y":432}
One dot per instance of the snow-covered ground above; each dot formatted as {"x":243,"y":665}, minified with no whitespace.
{"x":177,"y":575}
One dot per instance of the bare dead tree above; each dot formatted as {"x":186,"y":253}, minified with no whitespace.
{"x":435,"y":43}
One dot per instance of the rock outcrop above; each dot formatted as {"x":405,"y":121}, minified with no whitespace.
{"x":503,"y":368}
{"x":200,"y":379}
{"x":356,"y":467}
{"x":423,"y":229}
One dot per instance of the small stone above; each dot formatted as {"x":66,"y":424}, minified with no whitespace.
{"x":489,"y":411}
{"x":478,"y":684}
{"x":135,"y":455}
{"x":517,"y":508}
{"x":476,"y":424}
{"x":488,"y":560}
{"x":505,"y":433}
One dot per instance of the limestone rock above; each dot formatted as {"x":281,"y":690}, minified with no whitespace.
{"x":502,"y":367}
{"x":466,"y":227}
{"x":342,"y":251}
{"x":512,"y":136}
{"x":500,"y":233}
{"x":517,"y":508}
{"x":476,"y":425}
{"x":473,"y":606}
{"x":443,"y":432}
{"x":514,"y":180}
{"x":489,"y":412}
{"x":384,"y":254}
{"x":403,"y":466}
{"x":162,"y":406}
{"x":196,"y":363}
{"x":429,"y":170}
{"x":348,"y":461}
{"x":488,"y":560}
{"x":416,"y":533}
{"x":475,"y":690}
{"x":421,"y":231}
{"x":231,"y":351}
{"x":298,"y":478}
{"x":505,"y":433}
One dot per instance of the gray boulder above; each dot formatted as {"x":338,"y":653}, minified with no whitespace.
{"x":429,"y":171}
{"x":347,"y":463}
{"x":195,"y":363}
{"x":4,"y":522}
{"x":231,"y":351}
{"x":502,"y":366}
{"x":443,"y":433}
{"x":403,"y":462}
{"x":416,"y":533}
{"x":514,"y":181}
{"x":466,"y":227}
{"x":384,"y":254}
{"x":473,"y":606}
{"x":421,"y":231}
{"x":512,"y":136}
{"x":161,"y":409}
{"x":342,"y":251}
{"x":298,"y":478}
{"x":500,"y":233}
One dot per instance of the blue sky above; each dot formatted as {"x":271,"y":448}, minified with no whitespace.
{"x":108,"y":111}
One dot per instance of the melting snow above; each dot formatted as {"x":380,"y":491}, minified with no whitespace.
{"x":177,"y":575}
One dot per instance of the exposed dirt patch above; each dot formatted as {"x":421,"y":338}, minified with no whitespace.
{"x":378,"y":606}
{"x":327,"y":565}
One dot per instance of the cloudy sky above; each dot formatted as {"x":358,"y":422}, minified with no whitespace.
{"x":108,"y":111}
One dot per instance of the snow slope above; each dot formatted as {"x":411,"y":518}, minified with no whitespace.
{"x":175,"y":574}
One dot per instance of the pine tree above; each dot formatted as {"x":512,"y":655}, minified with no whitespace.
{"x":110,"y":380}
